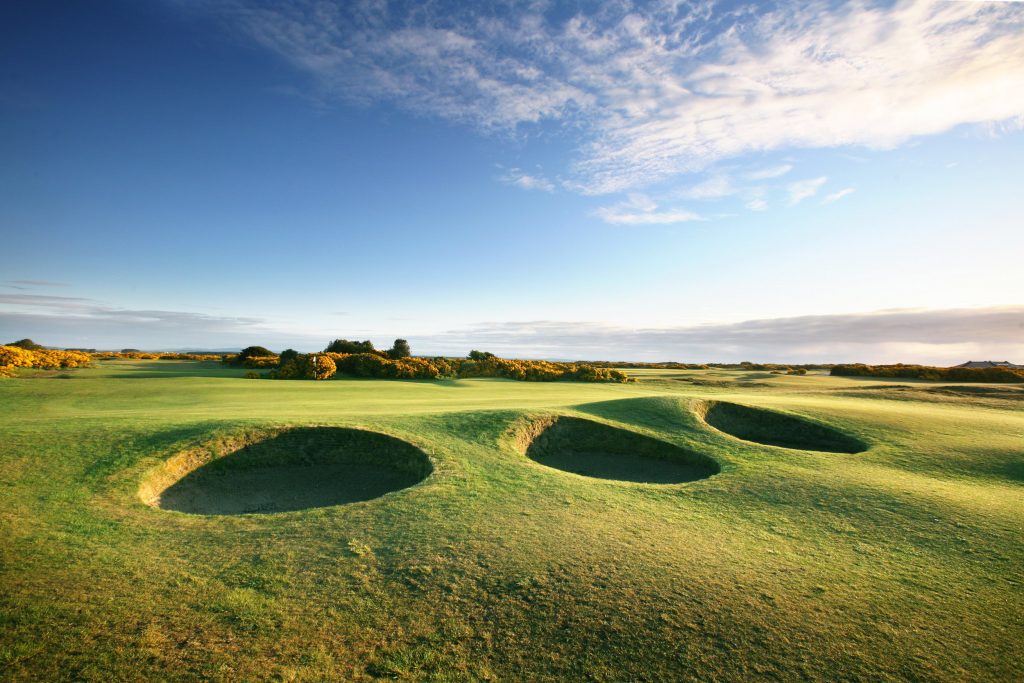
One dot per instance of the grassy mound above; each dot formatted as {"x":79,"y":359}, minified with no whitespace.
{"x":777,"y":429}
{"x":597,"y":450}
{"x":293,"y":469}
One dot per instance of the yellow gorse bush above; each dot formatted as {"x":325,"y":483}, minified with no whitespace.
{"x":13,"y":357}
{"x":376,"y":365}
{"x":149,"y":355}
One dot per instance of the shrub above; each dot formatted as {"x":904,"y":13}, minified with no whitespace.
{"x":13,"y":357}
{"x":260,"y":362}
{"x":899,"y":370}
{"x":306,"y":366}
{"x":365,"y":365}
{"x":379,"y":366}
{"x":252,"y":375}
{"x":287,"y":355}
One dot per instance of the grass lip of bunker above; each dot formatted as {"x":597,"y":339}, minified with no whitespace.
{"x":771,"y":428}
{"x":597,"y":450}
{"x":285,"y":470}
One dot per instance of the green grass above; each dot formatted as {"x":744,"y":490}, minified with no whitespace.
{"x":903,"y":562}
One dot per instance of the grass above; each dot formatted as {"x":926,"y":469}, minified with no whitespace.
{"x":902,"y":562}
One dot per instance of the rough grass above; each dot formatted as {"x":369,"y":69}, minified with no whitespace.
{"x":898,"y":563}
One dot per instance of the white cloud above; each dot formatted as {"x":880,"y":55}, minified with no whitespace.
{"x":658,"y":89}
{"x":654,"y":218}
{"x":770,"y":172}
{"x":640,"y":209}
{"x":527,"y":181}
{"x":715,"y":187}
{"x":757,"y":204}
{"x":836,"y":196}
{"x":803,"y":189}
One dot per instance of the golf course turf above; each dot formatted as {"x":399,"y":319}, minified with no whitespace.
{"x":464,"y":556}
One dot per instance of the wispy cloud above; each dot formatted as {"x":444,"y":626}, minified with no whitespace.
{"x":657,"y":89}
{"x":640,"y":209}
{"x":32,"y":284}
{"x":78,"y":321}
{"x":715,"y":187}
{"x":770,"y":172}
{"x":804,"y":189}
{"x":927,"y":336}
{"x":526,"y":181}
{"x":836,"y":196}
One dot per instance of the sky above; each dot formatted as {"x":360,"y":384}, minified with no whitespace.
{"x":689,"y":181}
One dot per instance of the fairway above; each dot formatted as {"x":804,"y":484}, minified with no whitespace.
{"x":672,"y":528}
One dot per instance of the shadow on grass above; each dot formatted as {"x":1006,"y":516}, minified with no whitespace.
{"x":169,"y":369}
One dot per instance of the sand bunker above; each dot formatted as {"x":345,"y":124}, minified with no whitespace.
{"x":597,"y":450}
{"x":294,"y":469}
{"x":777,"y":429}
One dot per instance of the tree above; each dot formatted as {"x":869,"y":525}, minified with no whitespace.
{"x":346,"y":346}
{"x":480,"y":355}
{"x":252,"y":352}
{"x":26,"y":344}
{"x":400,"y":349}
{"x":287,"y":355}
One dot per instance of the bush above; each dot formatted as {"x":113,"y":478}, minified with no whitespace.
{"x":312,"y":366}
{"x":143,"y":355}
{"x":260,"y":362}
{"x":14,"y":357}
{"x":287,"y":356}
{"x":379,"y":366}
{"x":927,"y":372}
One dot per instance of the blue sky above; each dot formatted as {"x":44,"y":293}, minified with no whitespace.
{"x":688,"y":181}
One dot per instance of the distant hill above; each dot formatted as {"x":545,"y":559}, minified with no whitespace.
{"x":988,"y":364}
